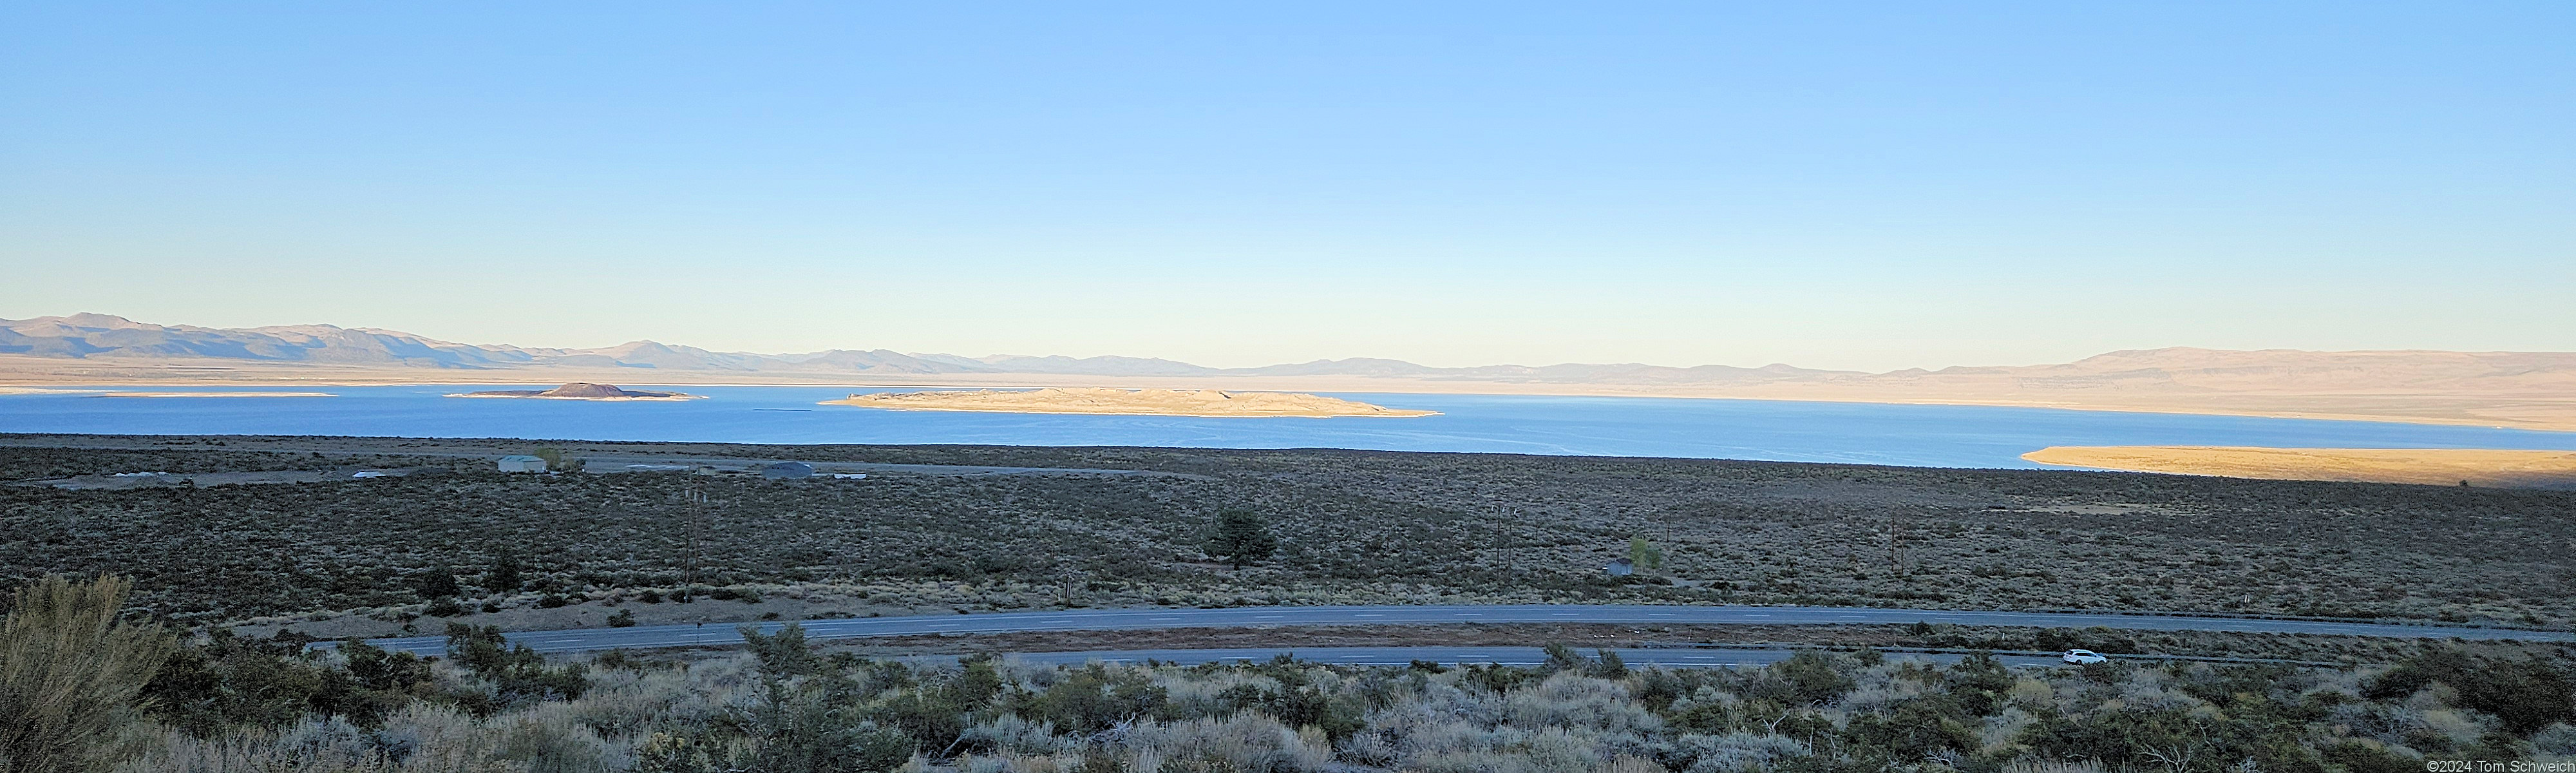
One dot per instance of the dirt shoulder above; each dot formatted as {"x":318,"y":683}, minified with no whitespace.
{"x":2352,"y":649}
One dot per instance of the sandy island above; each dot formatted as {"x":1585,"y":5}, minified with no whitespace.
{"x":582,"y":391}
{"x":217,"y":394}
{"x":2436,"y":466}
{"x":1138,"y":402}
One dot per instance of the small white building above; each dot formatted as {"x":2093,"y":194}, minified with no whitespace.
{"x":1620,"y":567}
{"x":522,"y":463}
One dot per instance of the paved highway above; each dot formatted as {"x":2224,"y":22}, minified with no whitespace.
{"x":1451,"y":656}
{"x":720,"y":634}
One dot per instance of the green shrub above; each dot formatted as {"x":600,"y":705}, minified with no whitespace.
{"x":2365,"y":757}
{"x":1978,"y":684}
{"x":2526,"y":694}
{"x":517,"y":673}
{"x":781,"y":654}
{"x":438,"y":583}
{"x":1610,"y":666}
{"x":1563,"y":658}
{"x":935,"y":716}
{"x":1811,"y":677}
{"x":1091,"y":699}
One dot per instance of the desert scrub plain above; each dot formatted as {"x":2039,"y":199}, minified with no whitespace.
{"x":81,"y":691}
{"x":1352,"y":527}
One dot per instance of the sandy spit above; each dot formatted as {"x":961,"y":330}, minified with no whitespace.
{"x":218,"y":394}
{"x":2432,"y":466}
{"x":1209,"y":403}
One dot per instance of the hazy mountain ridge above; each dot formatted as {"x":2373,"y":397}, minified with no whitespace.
{"x":85,"y":336}
{"x":2176,"y":371}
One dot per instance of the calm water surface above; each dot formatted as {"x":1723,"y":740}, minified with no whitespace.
{"x":1920,"y":435}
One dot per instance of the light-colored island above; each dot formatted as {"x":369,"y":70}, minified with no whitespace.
{"x":583,"y":391}
{"x":1134,"y":402}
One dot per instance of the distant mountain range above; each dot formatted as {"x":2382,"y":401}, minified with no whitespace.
{"x":2522,"y":389}
{"x":103,"y":336}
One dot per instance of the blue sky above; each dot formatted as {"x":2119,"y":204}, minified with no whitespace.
{"x":1832,"y":185}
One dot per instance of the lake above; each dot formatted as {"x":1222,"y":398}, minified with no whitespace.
{"x":1867,"y":433}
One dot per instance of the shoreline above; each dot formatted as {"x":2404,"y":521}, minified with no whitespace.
{"x":2549,"y":422}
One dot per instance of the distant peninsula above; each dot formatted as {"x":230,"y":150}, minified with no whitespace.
{"x":217,"y":394}
{"x":581,"y":391}
{"x":2435,"y":466}
{"x":1136,"y":402}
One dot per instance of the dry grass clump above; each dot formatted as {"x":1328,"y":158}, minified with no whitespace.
{"x":70,"y":673}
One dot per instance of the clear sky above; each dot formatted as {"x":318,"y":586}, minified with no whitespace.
{"x":1827,"y":184}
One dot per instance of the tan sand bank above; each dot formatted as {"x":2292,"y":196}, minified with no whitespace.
{"x":1142,"y":402}
{"x":2436,"y":466}
{"x":218,"y":394}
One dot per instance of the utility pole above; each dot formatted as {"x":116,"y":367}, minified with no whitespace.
{"x":1895,"y":544}
{"x":697,"y":503}
{"x":1067,"y":590}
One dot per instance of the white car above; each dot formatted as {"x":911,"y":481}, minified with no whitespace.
{"x":2082,"y":657}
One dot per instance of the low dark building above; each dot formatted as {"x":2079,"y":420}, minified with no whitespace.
{"x":779,"y":470}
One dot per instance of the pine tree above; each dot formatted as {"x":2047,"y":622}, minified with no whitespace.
{"x":1242,"y":538}
{"x":438,"y":584}
{"x":503,"y":577}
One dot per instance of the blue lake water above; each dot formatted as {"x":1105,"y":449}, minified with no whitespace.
{"x":1868,"y":433}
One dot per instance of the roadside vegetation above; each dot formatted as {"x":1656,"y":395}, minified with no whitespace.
{"x":1334,"y":527}
{"x":86,"y":694}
